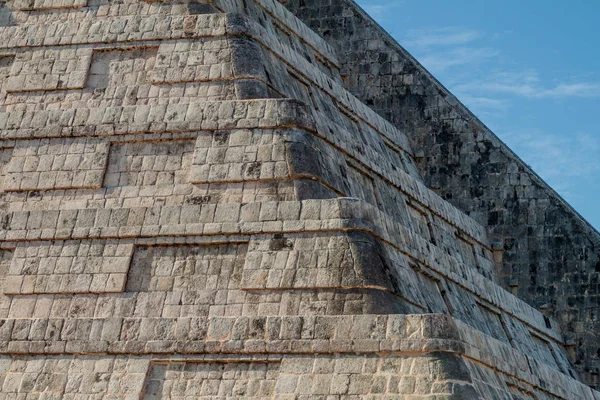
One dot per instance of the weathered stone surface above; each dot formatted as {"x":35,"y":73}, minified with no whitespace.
{"x":201,"y":209}
{"x":547,"y":254}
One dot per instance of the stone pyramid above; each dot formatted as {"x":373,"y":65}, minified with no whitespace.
{"x":194,"y":206}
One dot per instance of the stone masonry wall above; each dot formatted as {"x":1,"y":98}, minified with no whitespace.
{"x":547,"y":254}
{"x":192,"y":205}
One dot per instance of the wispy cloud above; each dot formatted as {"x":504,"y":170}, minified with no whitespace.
{"x":528,"y":84}
{"x":461,"y":54}
{"x":484,"y":102}
{"x":438,"y":61}
{"x":484,"y":107}
{"x":561,"y":159}
{"x":448,"y":36}
{"x":446,"y":48}
{"x":382,"y":10}
{"x":441,"y":49}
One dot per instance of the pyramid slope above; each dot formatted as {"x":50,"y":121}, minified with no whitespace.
{"x":549,"y":252}
{"x":193,"y":205}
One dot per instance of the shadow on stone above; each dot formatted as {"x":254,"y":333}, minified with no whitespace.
{"x":6,"y":17}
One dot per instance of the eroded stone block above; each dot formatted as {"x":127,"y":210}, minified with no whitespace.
{"x":37,"y":5}
{"x":51,"y":164}
{"x":69,"y":267}
{"x":240,"y":155}
{"x":111,"y":68}
{"x":191,"y":269}
{"x":241,"y":379}
{"x":6,"y":61}
{"x":5,"y":156}
{"x":149,"y":163}
{"x":202,"y":60}
{"x":58,"y":377}
{"x":57,"y":69}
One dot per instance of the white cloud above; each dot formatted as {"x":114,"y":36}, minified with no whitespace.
{"x":438,"y":61}
{"x":484,"y":102}
{"x":448,"y":36}
{"x":447,"y":48}
{"x":528,"y":84}
{"x":380,"y":11}
{"x":582,"y":89}
{"x":443,"y":48}
{"x":476,"y":72}
{"x":559,"y":159}
{"x":484,"y":107}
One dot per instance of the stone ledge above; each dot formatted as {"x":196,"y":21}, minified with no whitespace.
{"x":253,"y":114}
{"x":79,"y":163}
{"x":51,"y":268}
{"x":366,"y":334}
{"x":41,"y":5}
{"x":342,"y":214}
{"x":209,"y":115}
{"x":271,"y":8}
{"x":238,"y":24}
{"x":401,"y":180}
{"x":47,"y":70}
{"x":282,"y":14}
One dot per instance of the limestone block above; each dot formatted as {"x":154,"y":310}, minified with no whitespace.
{"x":320,"y":262}
{"x":49,"y":70}
{"x":5,"y":156}
{"x":6,"y":61}
{"x":357,"y":377}
{"x":120,"y":68}
{"x":50,"y":164}
{"x":239,"y":155}
{"x":69,"y":267}
{"x":45,"y":4}
{"x":149,"y":163}
{"x":248,"y":380}
{"x":202,"y":60}
{"x":5,"y":260}
{"x":239,"y":246}
{"x":409,"y":96}
{"x":197,"y":271}
{"x":63,"y":376}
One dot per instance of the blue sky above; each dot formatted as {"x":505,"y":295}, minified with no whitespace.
{"x":530,"y":70}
